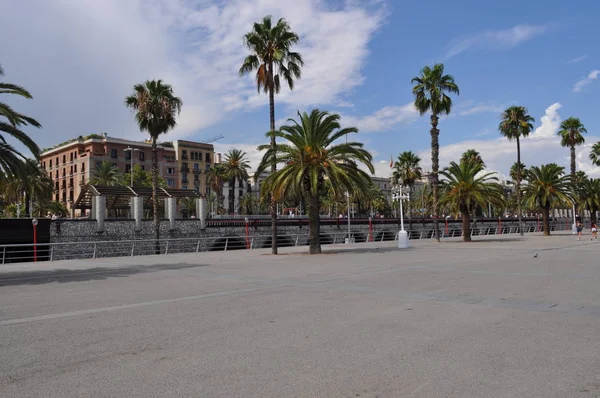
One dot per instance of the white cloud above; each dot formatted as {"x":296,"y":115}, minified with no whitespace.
{"x":593,"y":75}
{"x":383,"y":119}
{"x":472,"y":109}
{"x":577,"y":59}
{"x":542,"y":146}
{"x":495,"y":39}
{"x":83,"y":57}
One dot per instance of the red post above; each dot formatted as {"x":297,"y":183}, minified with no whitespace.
{"x":538,"y":223}
{"x":447,"y":230}
{"x":500,"y":225}
{"x":370,"y":230}
{"x":247,"y":236}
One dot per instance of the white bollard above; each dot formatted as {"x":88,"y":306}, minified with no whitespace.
{"x":402,"y":240}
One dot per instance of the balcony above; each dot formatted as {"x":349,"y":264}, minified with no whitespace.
{"x":196,"y":183}
{"x":185,"y":169}
{"x":197,"y":171}
{"x":185,"y":181}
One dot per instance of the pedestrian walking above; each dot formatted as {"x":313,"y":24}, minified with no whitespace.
{"x":594,"y":231}
{"x":579,"y":227}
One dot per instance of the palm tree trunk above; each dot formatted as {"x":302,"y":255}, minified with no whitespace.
{"x":546,"y":218}
{"x":273,"y":159}
{"x":435,"y":164}
{"x":519,"y":209}
{"x":410,"y":212}
{"x":155,"y":197}
{"x":314,"y":228}
{"x":466,"y":223}
{"x":573,"y":164}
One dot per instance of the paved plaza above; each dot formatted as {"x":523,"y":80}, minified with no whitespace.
{"x":485,"y":319}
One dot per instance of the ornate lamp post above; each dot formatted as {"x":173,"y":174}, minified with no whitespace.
{"x":34,"y":222}
{"x":402,"y":234}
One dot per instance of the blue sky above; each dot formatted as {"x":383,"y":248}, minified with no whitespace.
{"x":81,"y":58}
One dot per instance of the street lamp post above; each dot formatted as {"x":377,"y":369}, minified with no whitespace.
{"x":131,"y":151}
{"x":247,"y":235}
{"x":34,"y":222}
{"x":402,"y":234}
{"x":349,"y":239}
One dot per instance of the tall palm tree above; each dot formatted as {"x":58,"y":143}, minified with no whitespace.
{"x":236,"y":169}
{"x":106,"y":174}
{"x":471,"y":155}
{"x":156,"y":109}
{"x":31,"y":183}
{"x":464,"y":187}
{"x":515,"y":124}
{"x":589,"y":196}
{"x":595,"y":154}
{"x":430,"y":90}
{"x":515,"y":169}
{"x":309,"y":157}
{"x":215,"y":178}
{"x":272,"y":58}
{"x":571,"y":134}
{"x":11,"y":122}
{"x":547,"y":186}
{"x":247,"y":203}
{"x":407,"y":171}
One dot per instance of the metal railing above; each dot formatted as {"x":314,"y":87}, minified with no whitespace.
{"x":97,"y":249}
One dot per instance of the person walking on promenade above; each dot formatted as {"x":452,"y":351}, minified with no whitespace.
{"x":594,"y":231}
{"x":579,"y":226}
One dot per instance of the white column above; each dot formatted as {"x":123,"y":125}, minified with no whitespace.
{"x":202,"y":208}
{"x":100,"y":212}
{"x":132,"y":208}
{"x":171,"y":210}
{"x":93,"y":210}
{"x":138,"y":212}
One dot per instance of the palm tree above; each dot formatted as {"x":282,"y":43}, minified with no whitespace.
{"x":547,"y":186}
{"x":247,"y":203}
{"x":156,"y":109}
{"x":464,"y":188}
{"x":595,"y":154}
{"x":31,"y":183}
{"x":430,"y":95}
{"x":309,"y":157}
{"x":471,"y":155}
{"x":236,"y":169}
{"x":215,"y":178}
{"x":407,"y":171}
{"x":515,"y":169}
{"x":106,"y":174}
{"x":589,"y":196}
{"x":11,"y":123}
{"x":571,"y":134}
{"x":515,"y":124}
{"x":188,"y":206}
{"x":271,"y":56}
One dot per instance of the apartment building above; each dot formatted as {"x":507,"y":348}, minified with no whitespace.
{"x":194,"y":159}
{"x":71,"y":165}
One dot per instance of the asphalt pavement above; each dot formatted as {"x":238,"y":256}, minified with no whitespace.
{"x":502,"y":316}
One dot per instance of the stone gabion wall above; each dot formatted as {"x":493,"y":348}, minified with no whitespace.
{"x":188,"y":237}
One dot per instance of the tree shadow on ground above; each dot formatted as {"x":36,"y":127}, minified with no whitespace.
{"x":90,"y":274}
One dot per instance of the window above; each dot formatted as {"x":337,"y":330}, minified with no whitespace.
{"x":143,"y":167}
{"x":196,"y":167}
{"x":44,"y":165}
{"x":128,"y":155}
{"x":57,"y":186}
{"x":127,"y":168}
{"x":240,"y":193}
{"x":70,"y":196}
{"x":75,"y":154}
{"x":75,"y":168}
{"x":207,"y":157}
{"x":113,"y":153}
{"x":207,"y":191}
{"x":56,"y":161}
{"x":64,"y":197}
{"x":184,"y":187}
{"x":71,"y":157}
{"x":64,"y":159}
{"x":170,"y":182}
{"x":184,"y":155}
{"x":142,"y":156}
{"x":56,"y":173}
{"x":82,"y":167}
{"x":170,"y":170}
{"x":50,"y":163}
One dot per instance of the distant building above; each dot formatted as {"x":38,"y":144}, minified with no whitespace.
{"x":194,"y":159}
{"x":71,"y":165}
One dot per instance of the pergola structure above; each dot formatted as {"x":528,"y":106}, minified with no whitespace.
{"x":119,"y":197}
